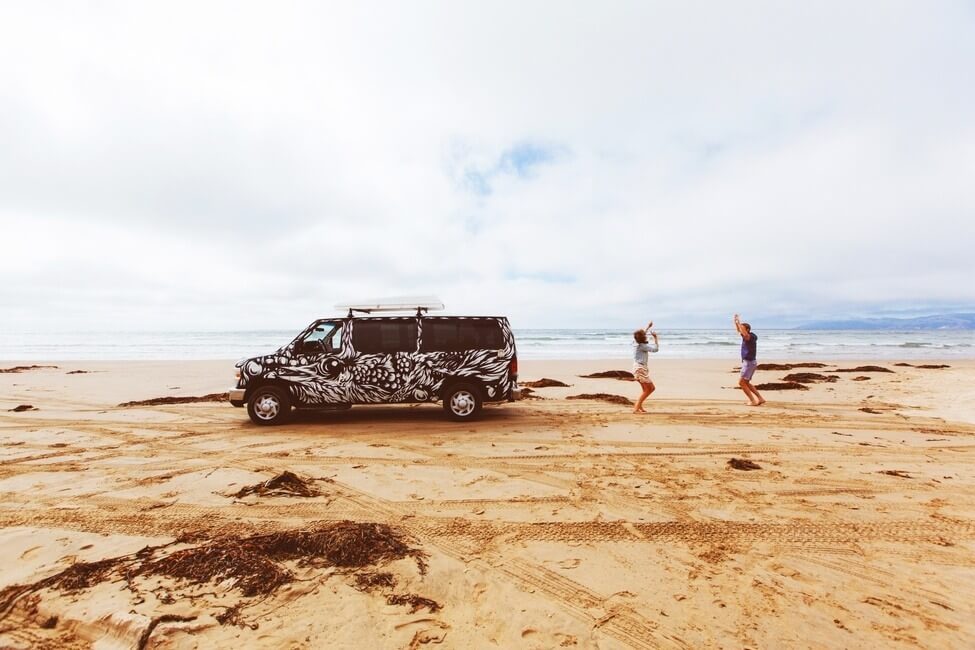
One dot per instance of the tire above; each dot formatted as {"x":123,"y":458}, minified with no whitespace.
{"x":269,"y":405}
{"x":462,"y":401}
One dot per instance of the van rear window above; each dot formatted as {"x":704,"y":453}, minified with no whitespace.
{"x":384,"y":336}
{"x":461,"y":334}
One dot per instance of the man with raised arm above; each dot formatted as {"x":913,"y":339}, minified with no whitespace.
{"x":749,"y":352}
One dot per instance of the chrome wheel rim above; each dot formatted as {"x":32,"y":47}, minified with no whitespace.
{"x":462,"y":403}
{"x":267,"y":406}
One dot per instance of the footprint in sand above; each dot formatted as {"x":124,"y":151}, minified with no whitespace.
{"x":29,"y":552}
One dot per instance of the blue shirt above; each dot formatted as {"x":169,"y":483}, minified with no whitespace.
{"x":749,"y":347}
{"x":641,"y":352}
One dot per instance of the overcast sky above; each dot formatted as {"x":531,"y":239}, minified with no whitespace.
{"x":235,"y":165}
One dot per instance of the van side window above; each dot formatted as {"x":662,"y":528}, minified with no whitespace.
{"x":461,"y":334}
{"x":384,"y":336}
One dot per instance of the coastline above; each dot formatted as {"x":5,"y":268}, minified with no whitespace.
{"x":533,"y":344}
{"x":549,"y":522}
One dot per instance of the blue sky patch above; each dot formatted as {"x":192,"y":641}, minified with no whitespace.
{"x":520,"y":160}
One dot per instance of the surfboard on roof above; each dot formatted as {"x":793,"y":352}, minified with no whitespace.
{"x":396,"y":303}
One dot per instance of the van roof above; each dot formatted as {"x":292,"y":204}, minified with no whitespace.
{"x":407,"y":315}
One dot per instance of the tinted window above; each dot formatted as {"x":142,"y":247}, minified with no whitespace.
{"x":458,"y":335}
{"x":375,"y":336}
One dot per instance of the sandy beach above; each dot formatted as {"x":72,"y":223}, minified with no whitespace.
{"x":548,"y":523}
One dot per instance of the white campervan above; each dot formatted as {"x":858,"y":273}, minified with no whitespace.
{"x":361,"y":358}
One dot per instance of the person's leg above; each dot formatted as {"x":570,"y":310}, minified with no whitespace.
{"x":648,"y":388}
{"x":745,"y":382}
{"x":746,"y":388}
{"x":643,"y":395}
{"x":759,"y":400}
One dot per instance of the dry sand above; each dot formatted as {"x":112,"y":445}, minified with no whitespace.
{"x":548,"y":523}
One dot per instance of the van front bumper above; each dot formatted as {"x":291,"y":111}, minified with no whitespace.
{"x":236,"y":396}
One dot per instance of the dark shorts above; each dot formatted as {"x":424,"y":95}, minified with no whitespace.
{"x":748,"y":369}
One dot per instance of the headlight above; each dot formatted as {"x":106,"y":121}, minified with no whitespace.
{"x":237,"y":374}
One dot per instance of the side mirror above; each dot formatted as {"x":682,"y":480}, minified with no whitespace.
{"x":311,"y":347}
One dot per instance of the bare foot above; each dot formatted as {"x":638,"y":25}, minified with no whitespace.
{"x":639,"y":410}
{"x":757,"y":403}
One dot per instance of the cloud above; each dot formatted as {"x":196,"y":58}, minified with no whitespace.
{"x":229,"y":165}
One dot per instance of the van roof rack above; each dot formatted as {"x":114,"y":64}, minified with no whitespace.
{"x":420,"y":303}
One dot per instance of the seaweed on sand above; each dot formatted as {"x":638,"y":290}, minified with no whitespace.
{"x":787,"y":385}
{"x":789,"y":366}
{"x":192,"y":399}
{"x":226,"y":559}
{"x":284,"y":484}
{"x":414,"y":601}
{"x":545,"y":382}
{"x":372,"y":581}
{"x":624,"y":375}
{"x":810,"y":378}
{"x":604,"y":397}
{"x":743,"y":464}
{"x":251,"y":564}
{"x":340,"y":544}
{"x":19,"y":369}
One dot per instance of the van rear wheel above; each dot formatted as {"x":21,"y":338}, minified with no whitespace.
{"x":269,"y":405}
{"x":462,"y":401}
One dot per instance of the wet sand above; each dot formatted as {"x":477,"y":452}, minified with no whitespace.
{"x":548,"y":523}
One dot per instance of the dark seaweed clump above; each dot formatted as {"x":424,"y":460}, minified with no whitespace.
{"x":786,"y":385}
{"x":284,"y":484}
{"x":624,"y":375}
{"x":251,"y":564}
{"x":159,"y":401}
{"x":604,"y":397}
{"x":743,"y":464}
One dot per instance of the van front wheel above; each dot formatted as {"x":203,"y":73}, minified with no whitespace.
{"x":268,"y":405}
{"x":462,"y":402}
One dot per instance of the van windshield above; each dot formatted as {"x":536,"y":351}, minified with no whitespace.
{"x":325,"y":337}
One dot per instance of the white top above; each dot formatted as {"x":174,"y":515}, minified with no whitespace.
{"x":641,"y":352}
{"x":400,"y":303}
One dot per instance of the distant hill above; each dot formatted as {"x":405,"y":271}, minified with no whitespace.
{"x":937,"y":322}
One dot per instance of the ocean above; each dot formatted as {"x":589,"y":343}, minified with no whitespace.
{"x":532,"y":344}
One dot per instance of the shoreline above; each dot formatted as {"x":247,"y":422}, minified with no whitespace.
{"x":575,"y":344}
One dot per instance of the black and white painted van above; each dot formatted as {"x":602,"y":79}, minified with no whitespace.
{"x":334,"y":363}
